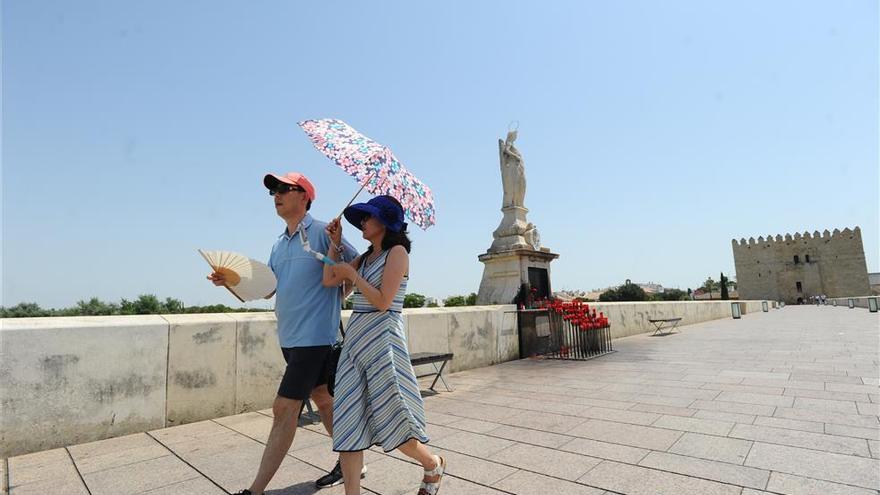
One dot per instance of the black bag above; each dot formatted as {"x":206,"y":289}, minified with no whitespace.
{"x":333,"y":361}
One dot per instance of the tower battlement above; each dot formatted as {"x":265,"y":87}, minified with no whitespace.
{"x":844,"y":235}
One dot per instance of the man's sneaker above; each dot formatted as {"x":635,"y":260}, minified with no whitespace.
{"x":334,"y":477}
{"x":243,"y":492}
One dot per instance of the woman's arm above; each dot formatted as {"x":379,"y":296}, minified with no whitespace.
{"x":396,"y":266}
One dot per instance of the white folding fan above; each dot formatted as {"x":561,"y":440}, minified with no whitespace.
{"x":246,"y":278}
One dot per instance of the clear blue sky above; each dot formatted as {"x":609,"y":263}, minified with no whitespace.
{"x":653,"y":132}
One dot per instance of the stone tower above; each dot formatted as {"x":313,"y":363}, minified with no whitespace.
{"x":793,"y":268}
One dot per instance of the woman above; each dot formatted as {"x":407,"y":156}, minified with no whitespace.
{"x":377,"y":400}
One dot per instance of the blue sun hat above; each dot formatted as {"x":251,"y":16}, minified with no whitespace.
{"x":383,"y":208}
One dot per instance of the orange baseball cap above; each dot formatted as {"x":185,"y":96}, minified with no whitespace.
{"x":292,"y":178}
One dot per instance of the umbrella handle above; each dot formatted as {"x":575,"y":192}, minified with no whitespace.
{"x":355,"y":195}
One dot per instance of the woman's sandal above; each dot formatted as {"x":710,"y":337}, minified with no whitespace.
{"x":433,"y":487}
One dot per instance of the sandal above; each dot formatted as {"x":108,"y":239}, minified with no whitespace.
{"x":431,"y":488}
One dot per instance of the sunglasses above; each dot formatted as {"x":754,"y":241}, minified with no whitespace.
{"x":284,"y":188}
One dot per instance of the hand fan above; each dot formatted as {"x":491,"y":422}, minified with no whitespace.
{"x":246,"y":278}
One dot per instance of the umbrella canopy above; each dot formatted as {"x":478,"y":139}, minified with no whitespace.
{"x":373,"y":165}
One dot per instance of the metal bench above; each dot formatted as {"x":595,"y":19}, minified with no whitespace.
{"x":661,"y":323}
{"x":432,"y":358}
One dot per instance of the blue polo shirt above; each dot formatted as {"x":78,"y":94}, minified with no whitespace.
{"x":307,"y":312}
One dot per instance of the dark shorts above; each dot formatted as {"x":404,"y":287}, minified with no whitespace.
{"x":307,"y":368}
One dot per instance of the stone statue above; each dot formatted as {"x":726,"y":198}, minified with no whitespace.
{"x":516,"y":244}
{"x":513,"y":174}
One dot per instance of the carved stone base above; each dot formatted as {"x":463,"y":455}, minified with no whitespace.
{"x":512,"y":232}
{"x":505,"y":272}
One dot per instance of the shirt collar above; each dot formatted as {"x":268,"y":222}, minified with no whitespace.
{"x":306,"y":223}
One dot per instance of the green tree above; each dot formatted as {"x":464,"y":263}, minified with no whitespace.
{"x":24,"y":310}
{"x":413,"y":300}
{"x":626,"y":292}
{"x":454,"y":301}
{"x":94,"y":307}
{"x":710,"y":286}
{"x":147,"y":304}
{"x":724,"y":294}
{"x":471,"y":299}
{"x":172,"y":306}
{"x":673,"y":295}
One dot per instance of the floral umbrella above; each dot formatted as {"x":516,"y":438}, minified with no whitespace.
{"x":373,"y":165}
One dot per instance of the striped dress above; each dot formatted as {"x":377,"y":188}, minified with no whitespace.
{"x":377,"y":399}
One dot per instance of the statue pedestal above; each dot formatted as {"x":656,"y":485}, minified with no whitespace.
{"x":506,"y":271}
{"x":511,"y":233}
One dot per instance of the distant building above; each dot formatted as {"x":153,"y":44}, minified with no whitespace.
{"x":874,"y":282}
{"x":793,"y":268}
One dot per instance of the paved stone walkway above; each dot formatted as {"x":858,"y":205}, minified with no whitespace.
{"x":783,"y":402}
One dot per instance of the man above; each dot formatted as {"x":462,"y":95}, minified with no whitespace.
{"x":308,"y":319}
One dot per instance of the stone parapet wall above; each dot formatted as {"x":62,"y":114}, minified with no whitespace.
{"x":631,"y":318}
{"x":71,"y":380}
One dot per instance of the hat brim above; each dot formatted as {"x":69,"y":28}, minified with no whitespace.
{"x":356,"y":213}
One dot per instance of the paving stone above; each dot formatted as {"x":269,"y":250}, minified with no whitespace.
{"x":139,"y":477}
{"x":798,"y":485}
{"x":799,"y":384}
{"x":196,"y":486}
{"x":473,"y":444}
{"x":605,"y":450}
{"x":254,"y":425}
{"x":610,"y":404}
{"x":529,"y":436}
{"x":853,"y":431}
{"x":868,"y":409}
{"x":791,"y":424}
{"x":826,"y":466}
{"x":474,"y":469}
{"x":551,"y":462}
{"x":805,"y":439}
{"x":835,"y":406}
{"x":473,"y":425}
{"x":733,"y":407}
{"x":554,"y":423}
{"x":52,"y":464}
{"x":824,"y":394}
{"x":636,"y":436}
{"x":706,"y":469}
{"x":711,"y":447}
{"x":111,"y":445}
{"x":637,"y":480}
{"x":696,"y":425}
{"x":394,"y":476}
{"x":109,"y":460}
{"x":846,"y":387}
{"x":529,"y":483}
{"x":713,"y":378}
{"x":756,"y":374}
{"x":51,"y":486}
{"x":185,"y":433}
{"x":875,"y":448}
{"x":827,"y":417}
{"x":725,"y":416}
{"x":761,"y":399}
{"x":323,"y":458}
{"x":629,"y":416}
{"x":438,"y":418}
{"x":736,"y":387}
{"x":670,"y":410}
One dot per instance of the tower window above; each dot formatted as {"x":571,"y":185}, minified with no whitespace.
{"x":799,"y":287}
{"x":796,"y":259}
{"x":807,"y":258}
